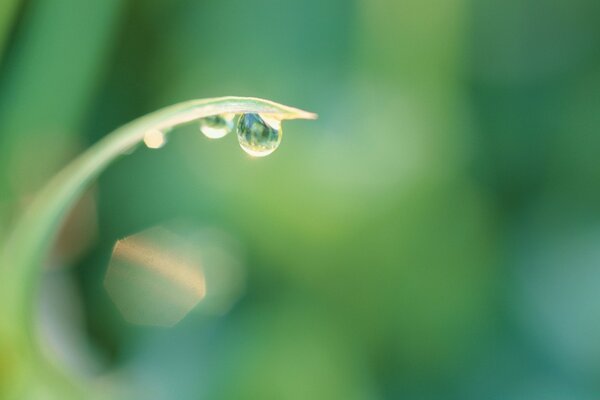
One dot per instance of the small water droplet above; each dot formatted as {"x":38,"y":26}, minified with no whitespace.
{"x":259,"y":135}
{"x":217,"y":126}
{"x":155,"y":139}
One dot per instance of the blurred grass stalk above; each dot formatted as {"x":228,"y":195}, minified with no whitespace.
{"x":51,"y":73}
{"x":54,"y":66}
{"x":8,"y":10}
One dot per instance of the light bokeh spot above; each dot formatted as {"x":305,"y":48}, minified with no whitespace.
{"x":155,"y":277}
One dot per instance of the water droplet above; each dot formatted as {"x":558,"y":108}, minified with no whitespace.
{"x":155,"y":139}
{"x":259,"y":135}
{"x":217,"y":126}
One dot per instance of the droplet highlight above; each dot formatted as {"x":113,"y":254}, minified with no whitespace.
{"x":155,"y":139}
{"x":216,"y":126}
{"x":259,"y":135}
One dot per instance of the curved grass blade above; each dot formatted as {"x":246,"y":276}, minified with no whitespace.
{"x":32,"y":237}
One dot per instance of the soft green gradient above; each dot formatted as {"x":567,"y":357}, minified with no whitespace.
{"x":434,"y":235}
{"x":8,"y":11}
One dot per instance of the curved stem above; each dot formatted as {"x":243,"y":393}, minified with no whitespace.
{"x":20,"y":267}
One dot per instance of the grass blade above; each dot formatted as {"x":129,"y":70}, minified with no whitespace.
{"x":29,"y":242}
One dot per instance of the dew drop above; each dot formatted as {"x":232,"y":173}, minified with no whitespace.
{"x":217,"y":126}
{"x":259,"y":135}
{"x":155,"y":139}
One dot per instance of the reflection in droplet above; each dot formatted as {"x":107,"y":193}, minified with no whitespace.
{"x":259,"y":135}
{"x":155,"y":277}
{"x":216,"y":126}
{"x":155,"y":139}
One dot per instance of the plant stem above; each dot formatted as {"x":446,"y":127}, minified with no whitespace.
{"x":30,"y":241}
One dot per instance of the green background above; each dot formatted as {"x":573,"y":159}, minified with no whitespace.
{"x":435,"y":234}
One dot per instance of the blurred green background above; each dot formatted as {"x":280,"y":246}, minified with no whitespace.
{"x":434,"y":235}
